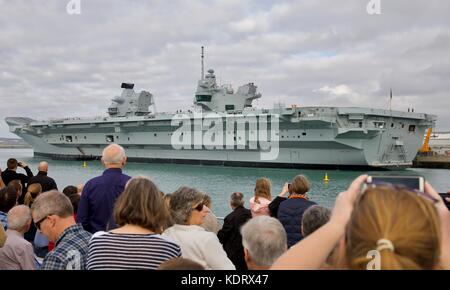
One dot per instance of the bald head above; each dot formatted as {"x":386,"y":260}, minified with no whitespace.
{"x":113,"y":156}
{"x":43,"y":166}
{"x":19,"y":218}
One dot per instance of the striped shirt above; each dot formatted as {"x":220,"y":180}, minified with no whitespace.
{"x":112,"y":251}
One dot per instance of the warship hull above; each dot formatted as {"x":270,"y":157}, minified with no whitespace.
{"x":310,"y":137}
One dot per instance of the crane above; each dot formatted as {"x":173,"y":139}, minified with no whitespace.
{"x":425,"y":149}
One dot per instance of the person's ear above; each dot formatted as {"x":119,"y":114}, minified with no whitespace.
{"x":52,"y":220}
{"x":247,"y":257}
{"x":301,"y":231}
{"x":29,"y":223}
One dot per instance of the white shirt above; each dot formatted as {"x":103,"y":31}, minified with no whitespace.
{"x":200,"y":246}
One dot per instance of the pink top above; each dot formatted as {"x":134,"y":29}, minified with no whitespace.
{"x":261,"y":207}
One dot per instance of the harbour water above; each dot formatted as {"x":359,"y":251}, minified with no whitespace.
{"x":217,"y":181}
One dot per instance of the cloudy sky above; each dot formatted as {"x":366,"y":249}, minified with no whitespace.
{"x":310,"y":53}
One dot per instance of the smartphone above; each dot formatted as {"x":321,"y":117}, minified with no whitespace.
{"x":411,"y":182}
{"x":445,"y":195}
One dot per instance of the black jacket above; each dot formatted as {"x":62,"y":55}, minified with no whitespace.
{"x":290,"y":214}
{"x":230,"y":236}
{"x":46,"y":182}
{"x":10,"y":175}
{"x":275,"y":205}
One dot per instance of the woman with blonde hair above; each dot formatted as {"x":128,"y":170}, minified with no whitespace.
{"x":259,"y":203}
{"x":382,"y":228}
{"x":33,"y":191}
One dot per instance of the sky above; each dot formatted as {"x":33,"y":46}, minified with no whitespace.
{"x":57,"y":64}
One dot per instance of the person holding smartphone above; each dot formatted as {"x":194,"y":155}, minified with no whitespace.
{"x":10,"y":174}
{"x":383,"y":220}
{"x":290,"y":212}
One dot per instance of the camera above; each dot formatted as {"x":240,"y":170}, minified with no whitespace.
{"x":445,"y":195}
{"x":410,"y":182}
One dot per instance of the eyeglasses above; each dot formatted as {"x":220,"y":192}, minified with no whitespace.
{"x":38,"y":223}
{"x":199,"y":207}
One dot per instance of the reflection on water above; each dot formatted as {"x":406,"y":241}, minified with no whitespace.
{"x":218,"y":181}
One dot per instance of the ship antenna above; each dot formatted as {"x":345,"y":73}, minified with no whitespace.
{"x":203,"y":67}
{"x":390,"y":101}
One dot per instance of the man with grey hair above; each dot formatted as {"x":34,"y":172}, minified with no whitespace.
{"x":53,"y":215}
{"x":229,"y":235}
{"x":45,"y":181}
{"x":17,"y":253}
{"x":100,"y":193}
{"x":313,"y":218}
{"x":264,"y":240}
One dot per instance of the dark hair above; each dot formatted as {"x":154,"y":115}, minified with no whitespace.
{"x":11,"y":163}
{"x":69,"y":190}
{"x":180,"y":264}
{"x":75,"y":200}
{"x":237,"y":199}
{"x":8,"y":198}
{"x":15,"y":185}
{"x":141,"y":204}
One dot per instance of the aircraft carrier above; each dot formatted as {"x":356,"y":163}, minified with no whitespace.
{"x":226,"y":129}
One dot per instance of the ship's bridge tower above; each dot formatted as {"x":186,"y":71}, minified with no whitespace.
{"x":212,"y":97}
{"x":130,"y":103}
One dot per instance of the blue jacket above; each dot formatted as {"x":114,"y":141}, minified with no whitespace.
{"x":97,"y":200}
{"x":290,"y":214}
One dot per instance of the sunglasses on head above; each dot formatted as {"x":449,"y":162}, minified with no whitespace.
{"x":199,"y":207}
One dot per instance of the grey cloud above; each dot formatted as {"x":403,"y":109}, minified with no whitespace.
{"x":56,"y":65}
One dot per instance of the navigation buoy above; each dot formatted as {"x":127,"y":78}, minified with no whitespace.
{"x":326,"y":179}
{"x":84,"y":164}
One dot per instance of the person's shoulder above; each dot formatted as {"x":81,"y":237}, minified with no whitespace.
{"x":309,"y":202}
{"x":33,"y":179}
{"x":165,"y":239}
{"x":99,"y":237}
{"x":242,"y":211}
{"x":56,"y":255}
{"x":93,"y":181}
{"x":264,"y":201}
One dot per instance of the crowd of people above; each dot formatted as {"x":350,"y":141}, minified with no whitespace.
{"x":116,"y":221}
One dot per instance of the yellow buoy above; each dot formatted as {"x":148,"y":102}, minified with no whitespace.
{"x":84,"y":164}
{"x":326,"y":179}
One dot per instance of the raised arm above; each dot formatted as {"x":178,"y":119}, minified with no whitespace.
{"x":444,"y":215}
{"x":312,"y":252}
{"x":2,"y":184}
